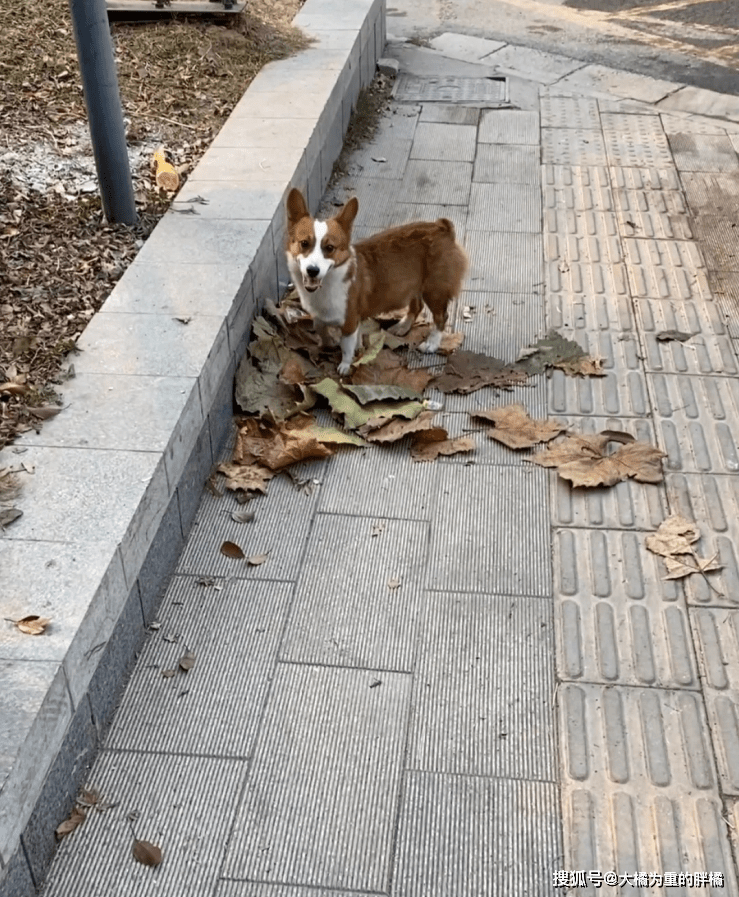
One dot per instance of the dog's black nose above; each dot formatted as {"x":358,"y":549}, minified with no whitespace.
{"x":313,"y":271}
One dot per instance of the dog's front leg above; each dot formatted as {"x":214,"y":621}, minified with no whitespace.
{"x":348,"y":344}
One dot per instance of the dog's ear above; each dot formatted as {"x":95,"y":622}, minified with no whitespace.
{"x":296,"y":207}
{"x":348,"y":213}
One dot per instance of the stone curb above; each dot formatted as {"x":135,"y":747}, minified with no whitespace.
{"x":118,"y":475}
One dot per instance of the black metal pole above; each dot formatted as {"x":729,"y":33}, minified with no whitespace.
{"x":100,"y":84}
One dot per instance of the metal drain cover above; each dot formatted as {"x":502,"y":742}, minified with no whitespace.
{"x":488,"y":91}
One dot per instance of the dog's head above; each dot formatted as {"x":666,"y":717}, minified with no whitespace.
{"x":318,"y":246}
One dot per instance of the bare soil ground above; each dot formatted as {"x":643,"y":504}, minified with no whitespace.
{"x":179,"y":79}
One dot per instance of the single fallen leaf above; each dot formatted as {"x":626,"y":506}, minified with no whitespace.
{"x":674,"y":542}
{"x":75,"y":819}
{"x":44,"y":412}
{"x":377,"y":528}
{"x":147,"y":853}
{"x":666,"y":335}
{"x":381,"y":392}
{"x":232,"y":550}
{"x":555,"y":350}
{"x":450,"y":342}
{"x":258,"y":392}
{"x":583,"y":460}
{"x":675,"y":535}
{"x":466,"y":372}
{"x":33,"y":624}
{"x":249,"y":478}
{"x":335,"y":436}
{"x":514,"y":428}
{"x":187,"y":661}
{"x":354,"y":414}
{"x":393,"y":583}
{"x":242,"y":516}
{"x":392,"y":429}
{"x":257,"y":559}
{"x":9,"y":515}
{"x":167,"y":674}
{"x":375,"y":342}
{"x":293,"y":371}
{"x":389,"y":369}
{"x":13,"y":389}
{"x":429,"y":444}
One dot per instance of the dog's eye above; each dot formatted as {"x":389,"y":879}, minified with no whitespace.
{"x":304,"y":244}
{"x":328,"y":248}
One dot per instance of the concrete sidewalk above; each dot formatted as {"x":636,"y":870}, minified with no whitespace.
{"x":534,"y":699}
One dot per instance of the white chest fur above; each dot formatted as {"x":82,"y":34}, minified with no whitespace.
{"x":328,"y":303}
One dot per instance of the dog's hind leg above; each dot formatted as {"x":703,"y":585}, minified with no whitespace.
{"x":437,"y":303}
{"x":403,"y":326}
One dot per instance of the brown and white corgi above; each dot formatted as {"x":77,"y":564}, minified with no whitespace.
{"x":340,"y":283}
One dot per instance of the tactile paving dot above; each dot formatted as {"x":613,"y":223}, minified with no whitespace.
{"x":709,"y":349}
{"x":639,"y":789}
{"x":697,"y":422}
{"x":713,"y":503}
{"x":628,"y":504}
{"x":617,"y":620}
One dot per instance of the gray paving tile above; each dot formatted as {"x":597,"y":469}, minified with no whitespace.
{"x":641,"y":757}
{"x":617,"y":620}
{"x":645,"y":178}
{"x":627,"y":505}
{"x":691,"y":124}
{"x":708,"y":351}
{"x":719,"y":240}
{"x":711,"y":193}
{"x":452,"y":829}
{"x":213,"y":525}
{"x":236,"y":627}
{"x":376,"y":200}
{"x":534,"y":65}
{"x":498,"y":324}
{"x":498,"y":164}
{"x":185,"y":806}
{"x":666,"y":269}
{"x":443,"y":182}
{"x":351,"y":617}
{"x":490,"y":531}
{"x":512,"y":208}
{"x":449,"y":114}
{"x":713,"y":502}
{"x":581,"y":237}
{"x":504,"y":263}
{"x":697,"y":422}
{"x":446,"y":142}
{"x":400,"y":488}
{"x":572,"y":146}
{"x":569,"y":112}
{"x":578,"y":187}
{"x":725,"y":289}
{"x":716,"y":632}
{"x":637,"y":147}
{"x":300,"y":823}
{"x":588,"y":297}
{"x":641,"y":126}
{"x":703,"y":152}
{"x":383,"y":159}
{"x":484,"y":688}
{"x":509,"y":126}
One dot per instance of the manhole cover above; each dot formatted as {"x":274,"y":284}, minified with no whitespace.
{"x":490,"y":91}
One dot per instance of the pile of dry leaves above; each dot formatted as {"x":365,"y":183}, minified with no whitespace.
{"x":286,"y":374}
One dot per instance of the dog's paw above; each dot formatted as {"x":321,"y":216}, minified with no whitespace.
{"x":427,"y":347}
{"x":344,"y":368}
